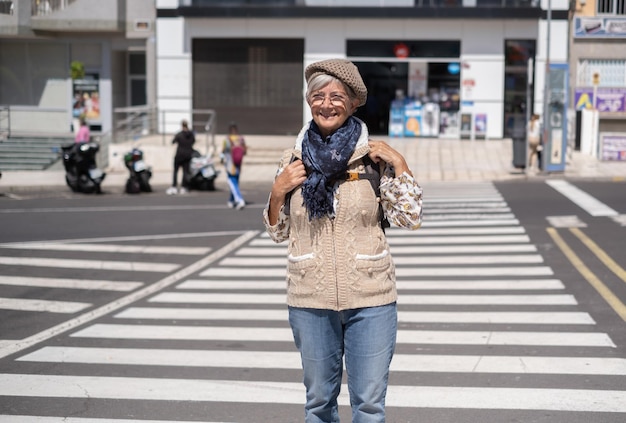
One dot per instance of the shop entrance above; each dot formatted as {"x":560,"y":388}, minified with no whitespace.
{"x":389,"y":81}
{"x":383,"y":80}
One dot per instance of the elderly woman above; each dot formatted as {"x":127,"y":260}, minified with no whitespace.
{"x":331,"y":195}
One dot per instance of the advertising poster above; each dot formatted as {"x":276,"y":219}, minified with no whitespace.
{"x":607,"y":99}
{"x":613,"y":146}
{"x":599,"y":27}
{"x":413,"y":119}
{"x":430,"y":120}
{"x":466,"y":125}
{"x":480,"y":125}
{"x":86,"y":98}
{"x":449,"y":125}
{"x":396,"y":118}
{"x":418,"y":78}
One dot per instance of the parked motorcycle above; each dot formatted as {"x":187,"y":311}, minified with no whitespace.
{"x":202,"y":172}
{"x":81,"y":172}
{"x":139,"y":173}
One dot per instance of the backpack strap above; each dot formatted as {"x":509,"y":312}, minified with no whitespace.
{"x":372,"y":173}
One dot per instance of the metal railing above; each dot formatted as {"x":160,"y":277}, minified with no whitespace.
{"x":45,"y":7}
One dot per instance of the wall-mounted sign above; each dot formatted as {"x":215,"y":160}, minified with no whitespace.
{"x":607,"y":99}
{"x":598,"y":27}
{"x":613,"y":146}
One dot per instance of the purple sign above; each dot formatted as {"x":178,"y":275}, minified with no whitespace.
{"x":608,"y":99}
{"x":614,"y":146}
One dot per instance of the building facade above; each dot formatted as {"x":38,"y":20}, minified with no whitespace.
{"x":479,"y":63}
{"x":109,"y":45}
{"x":598,"y":69}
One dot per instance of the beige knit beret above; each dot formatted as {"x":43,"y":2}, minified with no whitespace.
{"x":342,"y":69}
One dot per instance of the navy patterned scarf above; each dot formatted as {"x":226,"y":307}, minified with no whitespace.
{"x":326,"y":161}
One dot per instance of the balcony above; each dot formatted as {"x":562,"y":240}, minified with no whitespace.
{"x":480,"y":9}
{"x":76,"y":15}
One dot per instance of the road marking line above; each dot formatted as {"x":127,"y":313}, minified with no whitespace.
{"x":459,"y":239}
{"x":5,"y":418}
{"x":258,"y":298}
{"x":474,"y":216}
{"x":126,"y":388}
{"x":69,"y":283}
{"x":583,"y":200}
{"x":136,"y":238}
{"x":601,"y":254}
{"x":593,"y":280}
{"x":458,"y":231}
{"x":291,"y":360}
{"x":228,"y":333}
{"x":402,"y":260}
{"x":141,"y":249}
{"x":22,"y":304}
{"x":129,"y":299}
{"x":514,"y":284}
{"x":494,"y":317}
{"x":401,"y":272}
{"x":281,"y":250}
{"x":129,"y":266}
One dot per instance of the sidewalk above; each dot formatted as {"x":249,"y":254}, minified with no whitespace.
{"x":430,"y":159}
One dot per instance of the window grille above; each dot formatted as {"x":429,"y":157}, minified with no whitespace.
{"x":612,"y":72}
{"x":611,"y":7}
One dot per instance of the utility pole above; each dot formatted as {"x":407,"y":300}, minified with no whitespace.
{"x":546,"y":88}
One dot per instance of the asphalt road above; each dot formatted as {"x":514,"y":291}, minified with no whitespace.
{"x":171,"y":308}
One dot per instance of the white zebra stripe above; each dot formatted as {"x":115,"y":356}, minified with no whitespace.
{"x":100,"y":285}
{"x":494,"y":317}
{"x":93,"y":387}
{"x":401,"y":272}
{"x":403,"y":260}
{"x":444,"y":285}
{"x":210,"y":298}
{"x":23,"y":304}
{"x":228,"y":333}
{"x":107,"y":248}
{"x":90,"y":264}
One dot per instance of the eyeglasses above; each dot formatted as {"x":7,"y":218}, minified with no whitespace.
{"x":336,"y":99}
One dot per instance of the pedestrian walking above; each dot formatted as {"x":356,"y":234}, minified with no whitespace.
{"x":185,"y":140}
{"x":233,"y":150}
{"x":533,"y":137}
{"x":330,"y":199}
{"x":83,"y":134}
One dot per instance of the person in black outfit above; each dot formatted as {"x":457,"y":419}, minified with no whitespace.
{"x":185,"y":140}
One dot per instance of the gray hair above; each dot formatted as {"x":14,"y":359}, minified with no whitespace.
{"x":321,"y":80}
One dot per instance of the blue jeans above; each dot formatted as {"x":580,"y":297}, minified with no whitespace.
{"x":233,"y":184}
{"x":367,"y":338}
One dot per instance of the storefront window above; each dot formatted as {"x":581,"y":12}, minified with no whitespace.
{"x":518,"y":95}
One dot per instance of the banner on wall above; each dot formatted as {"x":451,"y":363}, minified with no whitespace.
{"x":606,"y":99}
{"x":480,"y":125}
{"x":396,"y":118}
{"x":613,"y":146}
{"x":599,"y":27}
{"x":413,"y":119}
{"x":418,"y":78}
{"x":86,"y":98}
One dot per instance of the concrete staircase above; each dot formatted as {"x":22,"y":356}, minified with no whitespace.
{"x":31,"y":153}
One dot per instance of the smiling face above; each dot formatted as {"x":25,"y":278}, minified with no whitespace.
{"x":331,"y":105}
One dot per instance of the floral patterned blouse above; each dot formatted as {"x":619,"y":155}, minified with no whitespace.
{"x":401,"y":199}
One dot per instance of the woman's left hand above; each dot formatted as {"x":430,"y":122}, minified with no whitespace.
{"x":380,"y":150}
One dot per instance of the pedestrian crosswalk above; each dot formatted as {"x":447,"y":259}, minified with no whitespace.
{"x":484,"y":324}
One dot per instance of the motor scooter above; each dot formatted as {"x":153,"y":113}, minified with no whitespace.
{"x":139,"y":173}
{"x":202,"y":172}
{"x":81,"y":172}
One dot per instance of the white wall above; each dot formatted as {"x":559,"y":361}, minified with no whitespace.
{"x":173,"y":69}
{"x":482,"y":49}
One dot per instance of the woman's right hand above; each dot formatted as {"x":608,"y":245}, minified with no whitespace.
{"x":292,"y":176}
